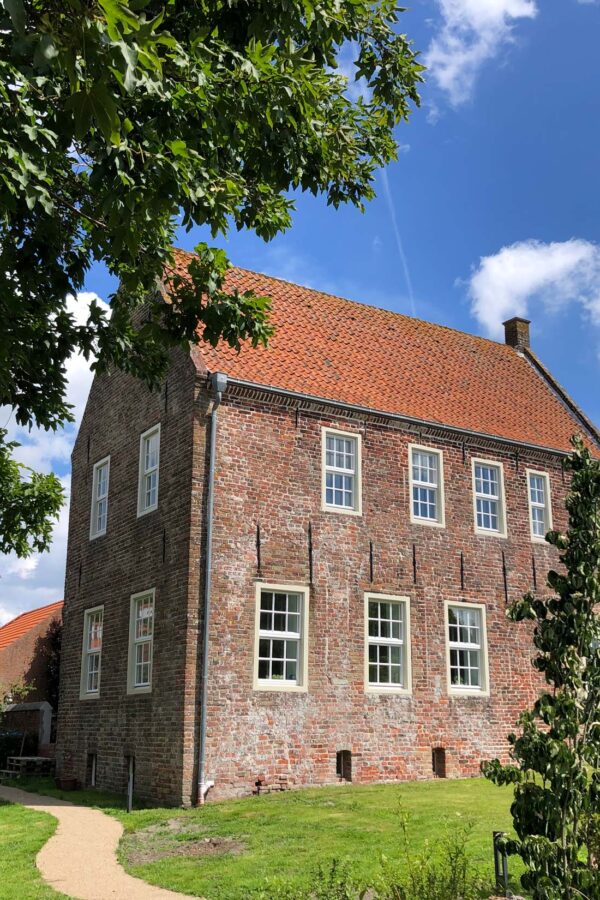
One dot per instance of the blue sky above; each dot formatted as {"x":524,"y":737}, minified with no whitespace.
{"x":492,"y":209}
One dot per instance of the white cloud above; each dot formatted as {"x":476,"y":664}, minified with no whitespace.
{"x":26,"y":584}
{"x":554,"y":275}
{"x":472,"y":32}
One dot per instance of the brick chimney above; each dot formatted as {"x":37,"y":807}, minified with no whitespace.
{"x":516,"y":332}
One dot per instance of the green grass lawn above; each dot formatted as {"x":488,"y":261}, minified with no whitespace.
{"x":284,"y":837}
{"x":22,"y":833}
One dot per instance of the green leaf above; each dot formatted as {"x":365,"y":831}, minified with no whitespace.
{"x":16,"y":11}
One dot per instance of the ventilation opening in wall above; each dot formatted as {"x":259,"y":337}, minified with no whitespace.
{"x":343,"y":765}
{"x":90,"y":771}
{"x":438,"y":762}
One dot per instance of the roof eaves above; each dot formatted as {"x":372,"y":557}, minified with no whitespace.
{"x":398,"y":417}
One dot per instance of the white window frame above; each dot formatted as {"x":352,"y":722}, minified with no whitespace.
{"x":132,"y":687}
{"x":356,"y":510}
{"x":143,"y":510}
{"x":536,"y":538}
{"x":406,"y":688}
{"x":86,"y":653}
{"x":440,"y":521}
{"x":94,"y":533}
{"x":301,"y":684}
{"x":495,"y":464}
{"x":484,"y":675}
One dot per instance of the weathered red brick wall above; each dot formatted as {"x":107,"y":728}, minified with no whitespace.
{"x":25,"y":659}
{"x":135,"y":554}
{"x":269,"y":472}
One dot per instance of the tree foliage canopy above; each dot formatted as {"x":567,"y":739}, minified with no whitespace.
{"x":556,"y":757}
{"x":27,"y":500}
{"x":120,"y":122}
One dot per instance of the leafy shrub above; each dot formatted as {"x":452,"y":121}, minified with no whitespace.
{"x":440,"y":871}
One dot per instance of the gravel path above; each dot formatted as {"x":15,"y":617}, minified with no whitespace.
{"x":80,"y":858}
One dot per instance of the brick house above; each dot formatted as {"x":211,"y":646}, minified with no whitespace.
{"x":24,"y":648}
{"x":377,"y":489}
{"x":29,"y":650}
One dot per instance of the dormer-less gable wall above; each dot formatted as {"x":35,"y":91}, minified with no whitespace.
{"x":133,"y":552}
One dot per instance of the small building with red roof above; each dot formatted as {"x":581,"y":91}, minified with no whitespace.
{"x":25,"y":647}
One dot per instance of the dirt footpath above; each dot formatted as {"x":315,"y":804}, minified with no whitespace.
{"x":80,"y":858}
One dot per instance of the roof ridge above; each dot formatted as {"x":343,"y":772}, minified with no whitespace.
{"x":379,"y":309}
{"x":29,"y":612}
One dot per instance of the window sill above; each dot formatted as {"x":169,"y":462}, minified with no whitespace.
{"x":381,"y":690}
{"x":456,"y":693}
{"x":139,"y":691}
{"x":273,"y":687}
{"x":98,"y":534}
{"x":341,"y":509}
{"x":430,"y":523}
{"x":485,"y":532}
{"x":90,"y":696}
{"x":144,"y":512}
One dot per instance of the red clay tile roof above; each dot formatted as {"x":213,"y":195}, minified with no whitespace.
{"x":355,"y":354}
{"x":12,"y":631}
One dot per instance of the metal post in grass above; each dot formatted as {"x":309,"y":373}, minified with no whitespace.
{"x":130,"y":784}
{"x":501,"y":863}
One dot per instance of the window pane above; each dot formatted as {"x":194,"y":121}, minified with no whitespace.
{"x":151,"y":452}
{"x":277,"y":667}
{"x":425,"y":467}
{"x":278,"y":657}
{"x":340,"y":466}
{"x":263,"y":668}
{"x":266,"y":600}
{"x":464,"y":634}
{"x":277,"y":649}
{"x":538,"y":521}
{"x":486,"y":480}
{"x":385,"y":654}
{"x":487,"y":514}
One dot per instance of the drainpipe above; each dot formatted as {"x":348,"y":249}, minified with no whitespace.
{"x":218,"y":383}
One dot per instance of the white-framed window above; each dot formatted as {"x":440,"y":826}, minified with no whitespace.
{"x":281,"y":637}
{"x":341,"y":465}
{"x":540,"y":506}
{"x":426,"y":478}
{"x":387,"y":639}
{"x":141,"y":642}
{"x":149,"y":465}
{"x":99,"y":513}
{"x":466,"y":643}
{"x":91,"y":653}
{"x":488,"y":497}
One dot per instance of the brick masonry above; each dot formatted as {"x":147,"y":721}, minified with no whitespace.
{"x":26,"y":659}
{"x":268,"y":473}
